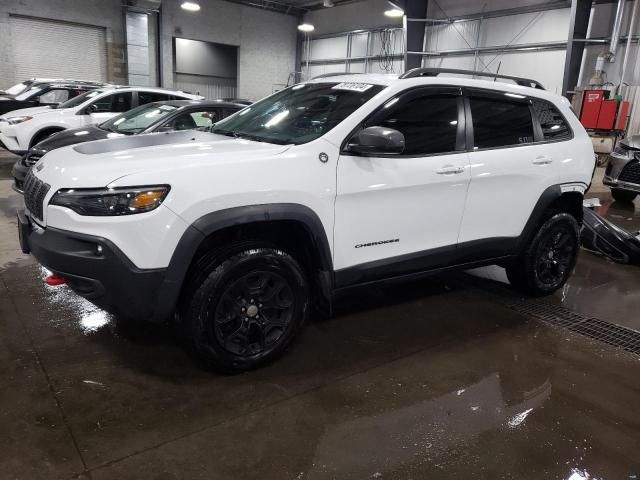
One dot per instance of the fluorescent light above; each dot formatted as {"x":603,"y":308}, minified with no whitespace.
{"x":306,"y":27}
{"x":394,"y":13}
{"x":191,"y":6}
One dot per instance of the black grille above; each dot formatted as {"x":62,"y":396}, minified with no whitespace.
{"x":34,"y":192}
{"x":631,"y":173}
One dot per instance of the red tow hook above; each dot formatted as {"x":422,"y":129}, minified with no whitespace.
{"x":55,"y":280}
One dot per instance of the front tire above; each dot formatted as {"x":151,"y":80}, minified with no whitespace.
{"x":244,"y":307}
{"x":549,"y":259}
{"x":624,"y":196}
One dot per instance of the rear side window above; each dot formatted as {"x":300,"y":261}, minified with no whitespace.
{"x":429,"y":124}
{"x":148,"y":97}
{"x":500,"y":123}
{"x":554,"y":126}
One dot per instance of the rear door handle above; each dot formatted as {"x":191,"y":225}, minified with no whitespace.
{"x":450,"y":170}
{"x":542,"y":160}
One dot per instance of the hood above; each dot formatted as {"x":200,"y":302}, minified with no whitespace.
{"x":73,"y":137}
{"x":97,"y":164}
{"x":30,"y":111}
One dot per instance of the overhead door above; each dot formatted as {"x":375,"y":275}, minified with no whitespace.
{"x":50,"y":49}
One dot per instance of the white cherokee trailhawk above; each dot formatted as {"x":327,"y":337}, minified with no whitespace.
{"x":332,"y":183}
{"x":22,"y":129}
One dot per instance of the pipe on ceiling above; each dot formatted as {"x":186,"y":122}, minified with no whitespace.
{"x":615,"y":31}
{"x":627,"y":50}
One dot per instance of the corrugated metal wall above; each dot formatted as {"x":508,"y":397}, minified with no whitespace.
{"x":46,"y":48}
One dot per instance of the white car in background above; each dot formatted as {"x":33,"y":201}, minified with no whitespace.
{"x":22,"y":129}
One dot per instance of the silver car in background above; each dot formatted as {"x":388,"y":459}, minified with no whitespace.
{"x":623,"y":170}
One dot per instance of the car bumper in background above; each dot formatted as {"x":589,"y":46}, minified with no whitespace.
{"x":19,"y":172}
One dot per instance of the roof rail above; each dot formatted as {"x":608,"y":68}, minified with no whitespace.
{"x":335,"y":74}
{"x":434,"y":72}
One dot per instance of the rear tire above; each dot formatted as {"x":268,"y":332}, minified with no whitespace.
{"x":244,"y":307}
{"x":549,"y":259}
{"x":624,"y":196}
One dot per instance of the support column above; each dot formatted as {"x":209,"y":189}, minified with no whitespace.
{"x":415,"y":30}
{"x":578,"y":25}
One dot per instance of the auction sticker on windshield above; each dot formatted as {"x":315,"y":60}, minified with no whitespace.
{"x":353,"y":86}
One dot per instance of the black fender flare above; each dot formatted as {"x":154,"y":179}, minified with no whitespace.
{"x":198,"y":231}
{"x":548,"y":196}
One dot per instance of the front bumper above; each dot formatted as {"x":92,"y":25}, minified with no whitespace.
{"x":9,"y":141}
{"x":19,"y":172}
{"x":615,"y":183}
{"x":95,"y":269}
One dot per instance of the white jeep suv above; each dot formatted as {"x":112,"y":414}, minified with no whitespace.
{"x":22,"y":129}
{"x":333,"y":183}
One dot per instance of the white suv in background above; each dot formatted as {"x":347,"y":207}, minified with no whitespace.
{"x":330,"y":184}
{"x":22,"y":129}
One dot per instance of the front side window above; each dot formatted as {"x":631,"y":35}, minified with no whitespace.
{"x":554,"y":126}
{"x":500,"y":123}
{"x":117,"y":102}
{"x":55,"y":96}
{"x":429,"y":123}
{"x":138,"y":119}
{"x":298,"y":114}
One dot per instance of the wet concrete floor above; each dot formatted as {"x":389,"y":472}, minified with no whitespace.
{"x":435,"y":379}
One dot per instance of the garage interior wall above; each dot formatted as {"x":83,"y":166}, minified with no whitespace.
{"x":90,"y":15}
{"x":267,"y":42}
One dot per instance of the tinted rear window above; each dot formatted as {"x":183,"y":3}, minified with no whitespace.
{"x":500,"y":123}
{"x":554,"y":126}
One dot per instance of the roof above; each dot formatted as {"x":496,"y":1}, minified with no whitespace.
{"x":108,"y":87}
{"x":199,"y":104}
{"x":515,"y":85}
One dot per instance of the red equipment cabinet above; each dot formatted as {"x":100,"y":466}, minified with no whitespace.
{"x":623,"y":116}
{"x":607,"y":117}
{"x":591,"y":104}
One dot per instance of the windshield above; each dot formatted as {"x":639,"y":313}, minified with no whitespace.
{"x":138,"y":119}
{"x":18,"y":88}
{"x":298,"y":114}
{"x":75,"y":101}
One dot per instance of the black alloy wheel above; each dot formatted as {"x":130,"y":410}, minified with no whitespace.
{"x":548,"y":260}
{"x":253,"y":313}
{"x":554,"y":257}
{"x":244,"y":305}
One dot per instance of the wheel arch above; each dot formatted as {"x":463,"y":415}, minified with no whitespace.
{"x":553,"y":200}
{"x":297,"y":224}
{"x":39,"y":135}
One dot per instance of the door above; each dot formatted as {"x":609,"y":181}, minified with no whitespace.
{"x":509,"y":169}
{"x":109,"y":106}
{"x":402,"y":213}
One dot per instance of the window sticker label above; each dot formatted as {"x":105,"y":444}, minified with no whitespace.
{"x":353,"y":86}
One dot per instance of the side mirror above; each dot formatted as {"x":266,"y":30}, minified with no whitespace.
{"x":165,"y":128}
{"x":377,"y":140}
{"x":93,"y":108}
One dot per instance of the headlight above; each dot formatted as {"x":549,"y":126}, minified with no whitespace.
{"x":111,"y":201}
{"x":16,"y":120}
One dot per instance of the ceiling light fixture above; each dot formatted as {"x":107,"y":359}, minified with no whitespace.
{"x":394,"y":13}
{"x":306,"y":27}
{"x":191,"y":6}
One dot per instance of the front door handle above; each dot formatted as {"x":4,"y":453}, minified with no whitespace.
{"x":542,"y":160}
{"x":450,"y":170}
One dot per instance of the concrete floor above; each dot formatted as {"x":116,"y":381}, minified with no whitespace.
{"x":436,"y":379}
